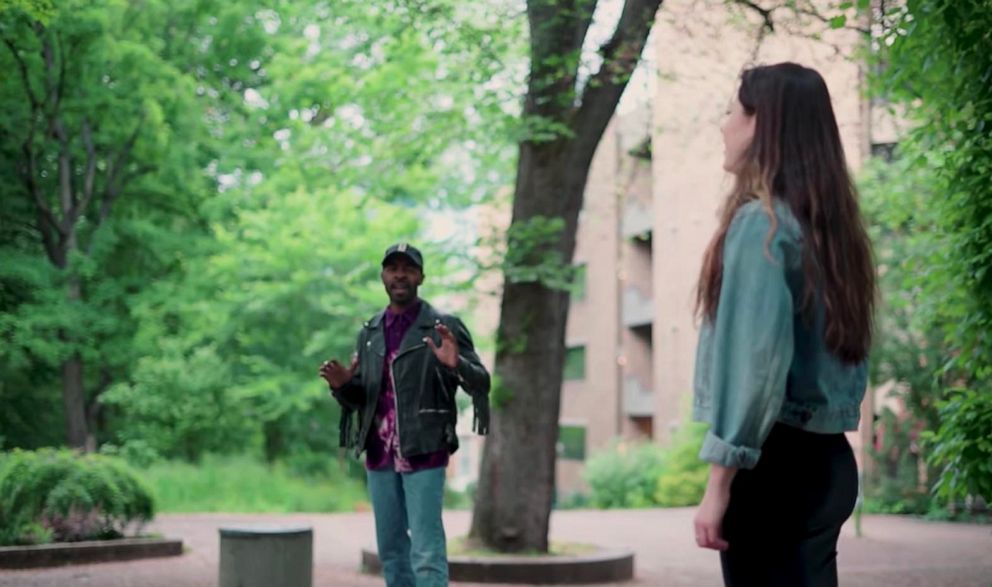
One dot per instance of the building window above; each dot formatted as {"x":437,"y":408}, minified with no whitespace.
{"x":884,"y":151}
{"x":575,"y":363}
{"x":579,"y":280}
{"x":644,"y":426}
{"x":572,"y":442}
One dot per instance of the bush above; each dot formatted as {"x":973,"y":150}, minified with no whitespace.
{"x":963,"y":445}
{"x":180,"y":404}
{"x":573,"y":501}
{"x":56,"y":495}
{"x":457,"y":500}
{"x":625,"y":475}
{"x":683,"y":479}
{"x":633,"y":475}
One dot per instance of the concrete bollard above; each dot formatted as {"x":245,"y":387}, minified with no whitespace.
{"x":266,"y":556}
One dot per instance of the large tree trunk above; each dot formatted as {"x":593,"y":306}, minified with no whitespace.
{"x":516,"y":483}
{"x":74,"y":402}
{"x":73,"y":393}
{"x":517,"y":480}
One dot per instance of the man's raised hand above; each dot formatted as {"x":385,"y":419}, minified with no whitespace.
{"x":336,"y":375}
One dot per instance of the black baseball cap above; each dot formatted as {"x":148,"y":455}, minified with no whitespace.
{"x":407,"y":250}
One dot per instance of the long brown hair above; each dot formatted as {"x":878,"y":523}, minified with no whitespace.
{"x":796,"y":156}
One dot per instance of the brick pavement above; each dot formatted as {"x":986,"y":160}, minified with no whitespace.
{"x":897,"y":552}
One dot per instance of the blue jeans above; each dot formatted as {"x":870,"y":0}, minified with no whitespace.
{"x":408,"y":528}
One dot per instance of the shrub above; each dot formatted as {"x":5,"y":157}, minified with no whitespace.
{"x":625,"y":475}
{"x":57,"y":495}
{"x":633,"y":475}
{"x":683,"y":478}
{"x":963,"y":445}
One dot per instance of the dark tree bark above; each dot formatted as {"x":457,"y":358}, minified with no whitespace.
{"x":516,"y":484}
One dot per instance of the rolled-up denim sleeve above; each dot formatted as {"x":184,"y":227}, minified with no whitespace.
{"x":752,"y":341}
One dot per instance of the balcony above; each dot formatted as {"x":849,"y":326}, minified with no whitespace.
{"x":637,"y":308}
{"x":638,"y":218}
{"x":638,"y":400}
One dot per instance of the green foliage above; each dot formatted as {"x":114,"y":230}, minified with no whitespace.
{"x":245,"y":484}
{"x":683,"y":480}
{"x":499,"y":394}
{"x":576,"y":500}
{"x":276,"y":153}
{"x":934,"y":59}
{"x":124,"y":121}
{"x":457,"y":500}
{"x":40,"y":10}
{"x":180,"y":405}
{"x":909,"y":343}
{"x":637,"y":475}
{"x":908,"y":347}
{"x":963,"y":444}
{"x":51,"y":495}
{"x":624,"y":475}
{"x":530,"y":256}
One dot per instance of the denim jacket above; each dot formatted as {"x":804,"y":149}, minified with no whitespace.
{"x":761,"y":360}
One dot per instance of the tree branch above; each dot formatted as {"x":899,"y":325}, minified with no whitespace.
{"x":79,"y":207}
{"x":46,"y":219}
{"x":25,"y":78}
{"x":557,"y":31}
{"x":61,"y":76}
{"x":768,"y":23}
{"x":584,"y":9}
{"x":47,"y":224}
{"x":56,"y":128}
{"x":29,"y":180}
{"x":48,"y":238}
{"x":803,"y":9}
{"x":115,"y":178}
{"x":54,"y":98}
{"x":621,"y":55}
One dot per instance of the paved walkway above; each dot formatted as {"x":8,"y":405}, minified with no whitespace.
{"x":895,"y":552}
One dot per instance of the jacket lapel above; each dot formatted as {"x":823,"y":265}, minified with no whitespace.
{"x":420,"y":328}
{"x":375,"y":350}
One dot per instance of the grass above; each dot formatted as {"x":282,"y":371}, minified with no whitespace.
{"x":241,"y":484}
{"x":462,"y":546}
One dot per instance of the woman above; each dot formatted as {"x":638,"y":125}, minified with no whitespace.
{"x":786,"y":295}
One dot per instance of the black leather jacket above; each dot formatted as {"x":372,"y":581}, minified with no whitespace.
{"x":425,"y":389}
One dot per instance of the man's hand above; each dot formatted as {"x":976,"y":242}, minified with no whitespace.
{"x":335,"y":373}
{"x":447,"y":353}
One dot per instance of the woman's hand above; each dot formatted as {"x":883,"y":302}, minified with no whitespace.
{"x":709,"y":516}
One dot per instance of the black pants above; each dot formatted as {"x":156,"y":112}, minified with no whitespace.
{"x":785,"y":515}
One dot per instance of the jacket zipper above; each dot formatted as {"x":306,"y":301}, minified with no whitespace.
{"x":396,"y":397}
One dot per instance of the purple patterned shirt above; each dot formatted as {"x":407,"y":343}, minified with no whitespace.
{"x":383,"y":449}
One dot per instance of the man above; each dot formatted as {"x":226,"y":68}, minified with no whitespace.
{"x":408,"y":363}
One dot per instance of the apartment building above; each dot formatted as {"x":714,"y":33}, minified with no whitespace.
{"x":651,"y":205}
